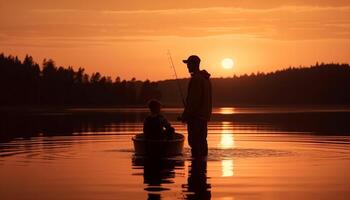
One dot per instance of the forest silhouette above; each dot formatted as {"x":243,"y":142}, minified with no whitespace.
{"x":27,"y":83}
{"x":320,"y":84}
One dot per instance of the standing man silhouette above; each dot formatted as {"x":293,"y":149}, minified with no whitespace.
{"x":198,"y":107}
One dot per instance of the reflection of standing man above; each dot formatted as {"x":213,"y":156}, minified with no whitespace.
{"x":198,"y":107}
{"x":197,"y":186}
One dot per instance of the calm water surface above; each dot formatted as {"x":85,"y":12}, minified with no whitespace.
{"x":254,"y":153}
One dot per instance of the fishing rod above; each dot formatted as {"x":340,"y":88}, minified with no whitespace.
{"x":177,"y":80}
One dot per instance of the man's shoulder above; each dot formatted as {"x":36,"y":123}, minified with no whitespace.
{"x":196,"y":77}
{"x":162,"y":117}
{"x":151,"y":117}
{"x":199,"y":78}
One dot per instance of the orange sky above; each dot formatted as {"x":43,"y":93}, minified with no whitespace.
{"x":131,"y":38}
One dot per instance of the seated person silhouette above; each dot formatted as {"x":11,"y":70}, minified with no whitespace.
{"x":155,"y":126}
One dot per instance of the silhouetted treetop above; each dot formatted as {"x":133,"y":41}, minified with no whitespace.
{"x":25,"y":83}
{"x":317,"y":84}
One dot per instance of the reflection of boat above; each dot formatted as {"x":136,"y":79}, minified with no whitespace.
{"x":158,"y":172}
{"x":163,"y":147}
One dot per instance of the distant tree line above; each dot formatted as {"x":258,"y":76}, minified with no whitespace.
{"x":321,"y":84}
{"x":27,"y":83}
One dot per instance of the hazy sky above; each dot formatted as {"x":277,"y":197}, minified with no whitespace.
{"x":131,"y":38}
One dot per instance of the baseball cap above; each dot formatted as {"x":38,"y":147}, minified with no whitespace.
{"x":192,"y":59}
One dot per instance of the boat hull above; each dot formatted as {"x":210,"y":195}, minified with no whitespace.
{"x":158,"y":147}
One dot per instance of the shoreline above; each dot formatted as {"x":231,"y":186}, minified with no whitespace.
{"x":233,"y":109}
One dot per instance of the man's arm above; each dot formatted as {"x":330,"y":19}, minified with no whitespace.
{"x":164,"y":122}
{"x":193,"y":100}
{"x":145,"y":126}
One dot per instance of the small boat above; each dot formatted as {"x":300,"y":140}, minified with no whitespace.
{"x":164,"y":147}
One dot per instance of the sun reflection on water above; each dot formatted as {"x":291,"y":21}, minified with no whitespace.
{"x":227,"y":142}
{"x":226,"y":110}
{"x":227,"y":198}
{"x":227,"y":168}
{"x":227,"y":138}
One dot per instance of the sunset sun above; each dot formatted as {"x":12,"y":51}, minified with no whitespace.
{"x":227,"y":63}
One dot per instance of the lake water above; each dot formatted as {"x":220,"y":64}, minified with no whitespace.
{"x":254,"y":153}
